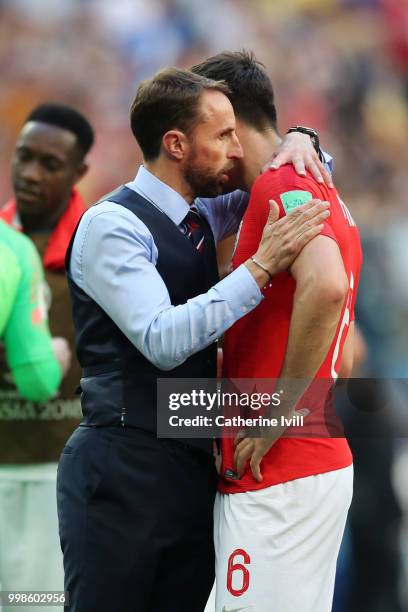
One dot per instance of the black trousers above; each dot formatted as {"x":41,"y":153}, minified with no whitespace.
{"x":136,"y":522}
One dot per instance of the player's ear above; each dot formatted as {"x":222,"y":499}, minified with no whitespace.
{"x":81,"y":171}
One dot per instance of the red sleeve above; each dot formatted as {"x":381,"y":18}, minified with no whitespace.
{"x":271,"y":185}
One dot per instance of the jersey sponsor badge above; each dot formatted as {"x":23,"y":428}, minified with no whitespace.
{"x":293,"y":199}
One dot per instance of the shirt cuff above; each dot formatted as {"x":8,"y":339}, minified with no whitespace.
{"x":240,"y":290}
{"x":328,"y":161}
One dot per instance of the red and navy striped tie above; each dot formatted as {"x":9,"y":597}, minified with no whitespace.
{"x":191,"y":226}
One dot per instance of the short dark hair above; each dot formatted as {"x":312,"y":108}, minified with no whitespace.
{"x":66,"y":118}
{"x":169,"y":100}
{"x":251,"y":89}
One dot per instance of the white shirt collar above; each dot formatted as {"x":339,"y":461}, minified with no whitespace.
{"x":160,"y":194}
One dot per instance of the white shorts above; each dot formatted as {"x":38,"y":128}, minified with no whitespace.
{"x":276,"y":548}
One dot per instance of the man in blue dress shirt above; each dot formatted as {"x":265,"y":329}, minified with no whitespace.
{"x":135,"y":511}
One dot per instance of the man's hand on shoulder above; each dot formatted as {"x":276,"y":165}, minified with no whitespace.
{"x":283,"y":239}
{"x":297,"y":149}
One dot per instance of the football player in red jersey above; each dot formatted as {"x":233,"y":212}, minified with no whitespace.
{"x":283,"y":501}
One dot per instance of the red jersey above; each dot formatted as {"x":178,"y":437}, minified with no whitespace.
{"x":255,"y":346}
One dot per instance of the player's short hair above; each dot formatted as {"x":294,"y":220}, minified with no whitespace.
{"x":66,"y":118}
{"x":251,"y":89}
{"x":167,"y":101}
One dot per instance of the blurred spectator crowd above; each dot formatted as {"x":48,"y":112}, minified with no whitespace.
{"x":338,"y":65}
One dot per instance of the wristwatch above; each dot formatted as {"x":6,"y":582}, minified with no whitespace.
{"x":314,"y":137}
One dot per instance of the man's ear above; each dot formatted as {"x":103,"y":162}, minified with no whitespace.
{"x":175,"y":144}
{"x":81,"y":171}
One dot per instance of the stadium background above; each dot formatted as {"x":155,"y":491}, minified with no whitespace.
{"x":340,"y":66}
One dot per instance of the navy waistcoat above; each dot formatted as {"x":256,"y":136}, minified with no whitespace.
{"x":119,"y":383}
